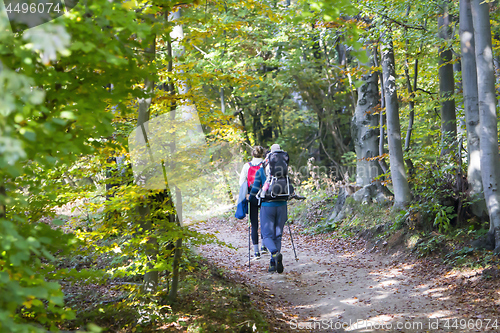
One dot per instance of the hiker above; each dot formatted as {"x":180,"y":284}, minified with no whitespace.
{"x":273,"y":210}
{"x":247,"y":175}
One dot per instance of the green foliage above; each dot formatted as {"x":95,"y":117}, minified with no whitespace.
{"x":26,"y":260}
{"x":432,"y":244}
{"x":435,"y":192}
{"x":364,"y":216}
{"x":443,"y":217}
{"x":273,"y":83}
{"x":459,"y":257}
{"x":453,"y":250}
{"x":400,"y":219}
{"x":206,"y":298}
{"x":50,"y":108}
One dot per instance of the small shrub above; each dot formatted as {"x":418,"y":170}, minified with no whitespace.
{"x":430,"y":245}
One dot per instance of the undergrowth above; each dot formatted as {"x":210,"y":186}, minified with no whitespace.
{"x":208,"y":301}
{"x":423,"y":238}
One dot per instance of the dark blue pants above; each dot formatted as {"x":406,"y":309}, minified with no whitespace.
{"x":272,"y":222}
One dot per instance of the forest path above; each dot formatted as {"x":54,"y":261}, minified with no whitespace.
{"x":336,"y":284}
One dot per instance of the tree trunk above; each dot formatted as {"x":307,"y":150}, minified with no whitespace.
{"x":150,"y":282}
{"x":177,"y":34}
{"x":402,"y":195}
{"x":496,"y":63}
{"x":3,"y":197}
{"x":470,"y":93}
{"x":446,"y":83}
{"x":411,"y":104}
{"x":364,"y":129}
{"x":490,"y":161}
{"x":342,"y":54}
{"x":267,"y":130}
{"x":381,"y":142}
{"x":256,"y":126}
{"x":411,"y":93}
{"x":222,"y":102}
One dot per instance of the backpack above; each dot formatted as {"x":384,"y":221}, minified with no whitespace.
{"x":279,"y":184}
{"x":251,"y":173}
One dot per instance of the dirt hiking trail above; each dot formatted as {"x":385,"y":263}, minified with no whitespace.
{"x":337,"y":285}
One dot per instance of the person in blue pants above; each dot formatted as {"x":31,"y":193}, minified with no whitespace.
{"x":273,"y":216}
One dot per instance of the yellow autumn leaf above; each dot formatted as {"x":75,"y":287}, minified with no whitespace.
{"x":130,"y":4}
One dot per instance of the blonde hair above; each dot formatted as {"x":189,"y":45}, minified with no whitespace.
{"x":258,"y":152}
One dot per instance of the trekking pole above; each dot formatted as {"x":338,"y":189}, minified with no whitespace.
{"x":249,"y":246}
{"x":291,"y":238}
{"x":298,"y":197}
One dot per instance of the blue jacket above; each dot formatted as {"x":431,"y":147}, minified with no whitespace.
{"x":242,"y":207}
{"x":260,"y":179}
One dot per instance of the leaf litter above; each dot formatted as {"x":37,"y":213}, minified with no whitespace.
{"x":337,"y":282}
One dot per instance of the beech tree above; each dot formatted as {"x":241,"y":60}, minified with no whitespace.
{"x":446,"y":81}
{"x":470,"y":93}
{"x":364,"y":128}
{"x":490,"y":161}
{"x":402,"y":195}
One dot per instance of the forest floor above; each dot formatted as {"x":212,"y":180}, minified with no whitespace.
{"x":344,"y":284}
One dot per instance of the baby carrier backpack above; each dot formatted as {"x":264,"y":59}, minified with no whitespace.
{"x":279,"y":183}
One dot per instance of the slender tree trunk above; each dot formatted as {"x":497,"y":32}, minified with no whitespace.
{"x":411,"y":104}
{"x":459,"y":105}
{"x":256,"y":126}
{"x":402,"y":195}
{"x":239,"y":110}
{"x":267,"y":120}
{"x":490,"y":161}
{"x":446,"y":83}
{"x":470,"y":93}
{"x":411,"y":93}
{"x":3,"y":197}
{"x":222,"y":102}
{"x":176,"y":218}
{"x":381,"y":142}
{"x":342,"y":54}
{"x":364,"y":129}
{"x":178,"y":34}
{"x":496,"y":63}
{"x":150,"y":282}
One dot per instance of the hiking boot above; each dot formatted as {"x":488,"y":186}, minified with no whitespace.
{"x":278,"y":259}
{"x":263,"y":249}
{"x":257,"y":255}
{"x":272,"y":268}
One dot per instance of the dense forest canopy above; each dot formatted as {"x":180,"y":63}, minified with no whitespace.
{"x":386,"y":92}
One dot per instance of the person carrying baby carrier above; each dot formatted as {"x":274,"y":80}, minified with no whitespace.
{"x":272,"y":187}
